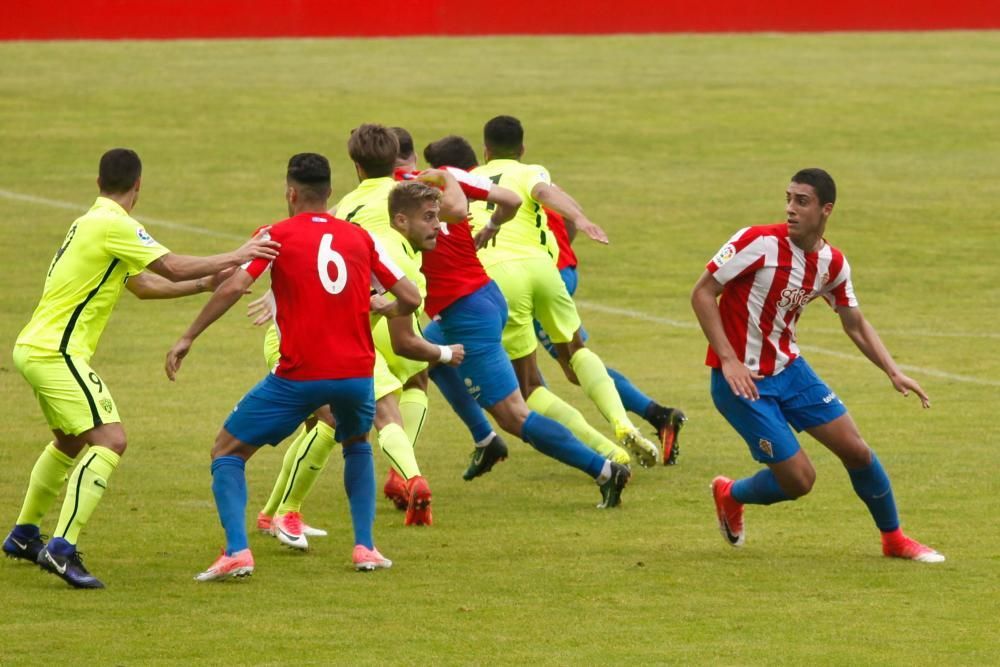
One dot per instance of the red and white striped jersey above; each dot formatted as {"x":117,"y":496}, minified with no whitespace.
{"x":768,"y":281}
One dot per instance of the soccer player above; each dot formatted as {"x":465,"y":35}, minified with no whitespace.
{"x":761,"y":384}
{"x":666,"y":421}
{"x":321,"y":285}
{"x":467,"y":307}
{"x":103,"y":251}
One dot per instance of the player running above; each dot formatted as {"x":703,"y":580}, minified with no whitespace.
{"x":766,"y":275}
{"x":321,"y":285}
{"x":104,"y":250}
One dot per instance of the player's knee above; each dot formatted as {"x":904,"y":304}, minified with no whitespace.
{"x":858,"y":456}
{"x":117,"y":445}
{"x":800,"y":483}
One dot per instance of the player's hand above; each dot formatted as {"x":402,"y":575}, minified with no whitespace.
{"x":262,"y":309}
{"x":433,"y":177}
{"x":486,"y":235}
{"x":593,"y":231}
{"x":260,"y":246}
{"x":457,"y":354}
{"x":740,"y":379}
{"x":382,"y":306}
{"x":905,"y":384}
{"x":175,"y":356}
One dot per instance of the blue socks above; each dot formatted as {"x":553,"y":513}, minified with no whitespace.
{"x":873,"y":487}
{"x":359,"y":482}
{"x":555,"y":440}
{"x":634,"y":400}
{"x":761,"y":489}
{"x":450,"y":384}
{"x":229,"y":486}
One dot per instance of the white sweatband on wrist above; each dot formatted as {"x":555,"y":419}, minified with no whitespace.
{"x":445,"y":354}
{"x":492,"y":226}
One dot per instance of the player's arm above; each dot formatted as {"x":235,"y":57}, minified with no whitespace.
{"x":227,"y":294}
{"x":148,"y":285}
{"x":560,"y":202}
{"x":704,"y":302}
{"x":863,"y":334}
{"x":454,"y":205}
{"x":178,"y":268}
{"x":407,"y":300}
{"x":406,"y":343}
{"x":506,"y":202}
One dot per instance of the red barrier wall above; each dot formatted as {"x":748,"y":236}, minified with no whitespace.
{"x":171,"y":19}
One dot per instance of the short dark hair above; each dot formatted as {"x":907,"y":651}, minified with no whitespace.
{"x":120,"y":168}
{"x":407,"y":196}
{"x":503,"y":135}
{"x":311,"y":172}
{"x":374,"y":148}
{"x":405,"y":140}
{"x":451,"y":151}
{"x":821,"y":182}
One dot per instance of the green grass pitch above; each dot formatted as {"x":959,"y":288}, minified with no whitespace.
{"x":670,"y":143}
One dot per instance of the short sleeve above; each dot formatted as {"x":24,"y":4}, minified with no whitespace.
{"x":839,"y":292}
{"x":127,"y":240}
{"x":256,"y":267}
{"x":385,"y":272}
{"x":741,"y":252}
{"x":474,"y":186}
{"x":534,"y":174}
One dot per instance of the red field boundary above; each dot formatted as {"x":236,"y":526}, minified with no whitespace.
{"x":175,"y":19}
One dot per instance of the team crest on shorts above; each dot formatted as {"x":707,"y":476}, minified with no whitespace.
{"x":766,"y":446}
{"x":107,"y":405}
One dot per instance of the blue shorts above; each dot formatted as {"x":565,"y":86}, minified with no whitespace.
{"x":796,"y":397}
{"x":477,"y":321}
{"x":275,"y":407}
{"x":570,"y":279}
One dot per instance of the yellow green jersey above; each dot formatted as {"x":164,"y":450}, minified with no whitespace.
{"x":101,"y":250}
{"x":368,"y":204}
{"x":527,"y":234}
{"x":407,"y":259}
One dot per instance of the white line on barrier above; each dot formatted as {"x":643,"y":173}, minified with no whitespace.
{"x":589,"y":305}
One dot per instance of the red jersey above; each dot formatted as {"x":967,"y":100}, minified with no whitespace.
{"x":768,"y":281}
{"x":558,"y":226}
{"x":453,"y":269}
{"x":321,"y":283}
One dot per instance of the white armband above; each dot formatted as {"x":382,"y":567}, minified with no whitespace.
{"x":445,"y":354}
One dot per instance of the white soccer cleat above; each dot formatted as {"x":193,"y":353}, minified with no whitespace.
{"x":288,"y":529}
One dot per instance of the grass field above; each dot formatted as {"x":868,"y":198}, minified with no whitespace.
{"x":671,"y":143}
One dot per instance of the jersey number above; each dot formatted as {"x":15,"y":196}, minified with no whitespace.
{"x":59,"y":253}
{"x":496,"y":181}
{"x":324,"y":258}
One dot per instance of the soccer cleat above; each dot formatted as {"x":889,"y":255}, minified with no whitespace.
{"x":264,"y":523}
{"x":240,"y":564}
{"x":25,"y":548}
{"x":312,"y":531}
{"x":418,"y":511}
{"x":395,"y":489}
{"x":631,"y":439}
{"x":611,"y":490}
{"x":484,"y":458}
{"x":729,"y":511}
{"x":898,"y":545}
{"x":668,"y":423}
{"x":366,"y":560}
{"x":288,"y":529}
{"x":68,"y":567}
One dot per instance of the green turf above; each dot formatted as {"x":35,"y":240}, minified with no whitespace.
{"x":670,"y":143}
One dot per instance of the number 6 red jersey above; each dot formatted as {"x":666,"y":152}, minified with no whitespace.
{"x":322,"y":281}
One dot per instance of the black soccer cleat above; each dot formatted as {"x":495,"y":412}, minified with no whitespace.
{"x":25,"y":548}
{"x":668,"y":423}
{"x":69,"y":568}
{"x":611,"y":490}
{"x":484,"y":458}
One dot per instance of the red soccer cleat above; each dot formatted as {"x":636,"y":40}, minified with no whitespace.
{"x":264,"y":523}
{"x":240,"y":564}
{"x":395,"y":490}
{"x":729,"y":511}
{"x":366,"y":560}
{"x":898,"y":545}
{"x":418,"y":509}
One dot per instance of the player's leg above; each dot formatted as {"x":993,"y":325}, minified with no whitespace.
{"x":789,"y":473}
{"x":452,"y":386}
{"x":413,"y":405}
{"x":415,"y":495}
{"x":311,"y":456}
{"x":353,"y":404}
{"x":815,"y":408}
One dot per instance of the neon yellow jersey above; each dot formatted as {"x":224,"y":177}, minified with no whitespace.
{"x":368,"y":204}
{"x":407,"y":259}
{"x":101,"y":250}
{"x":527,"y":234}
